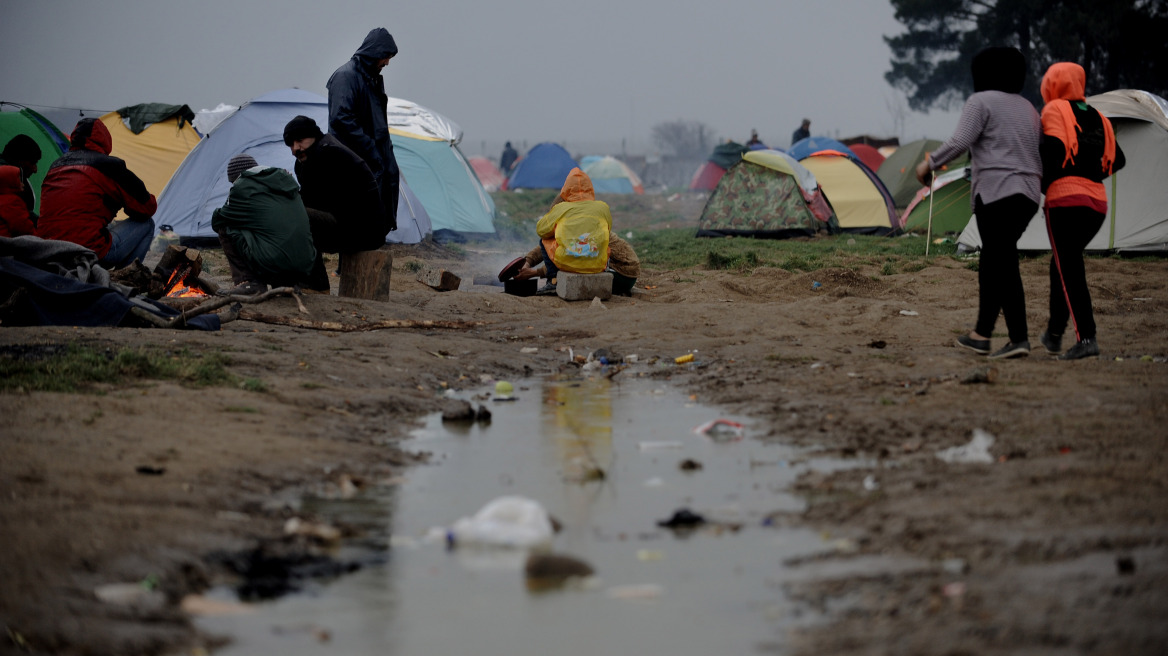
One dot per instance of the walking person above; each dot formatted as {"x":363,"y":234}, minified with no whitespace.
{"x":1078,"y":151}
{"x":1001,"y":130}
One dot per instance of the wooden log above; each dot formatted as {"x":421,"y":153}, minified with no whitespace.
{"x":365,"y":274}
{"x":440,"y":279}
{"x":337,"y":326}
{"x":176,"y":256}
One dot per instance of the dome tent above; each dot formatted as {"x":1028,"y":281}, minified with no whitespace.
{"x":611,"y":176}
{"x":199,"y":186}
{"x":767,"y":195}
{"x":545,"y":166}
{"x":46,"y":135}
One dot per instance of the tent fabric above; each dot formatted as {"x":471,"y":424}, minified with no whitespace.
{"x":1137,"y":198}
{"x":707,"y":176}
{"x":611,"y":176}
{"x":141,"y":116}
{"x":762,"y":197}
{"x":804,"y":148}
{"x":898,"y":171}
{"x":949,"y":205}
{"x":868,"y":155}
{"x":444,"y":182}
{"x":545,"y":166}
{"x":489,"y":175}
{"x":728,"y":154}
{"x":861,"y":202}
{"x":199,"y":186}
{"x":46,"y":135}
{"x":156,"y":150}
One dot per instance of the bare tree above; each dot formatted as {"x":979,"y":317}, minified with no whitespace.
{"x":684,"y":139}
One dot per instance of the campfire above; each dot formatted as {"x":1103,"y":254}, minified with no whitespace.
{"x":182,"y":284}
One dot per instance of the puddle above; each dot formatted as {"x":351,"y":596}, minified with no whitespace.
{"x":706,"y":592}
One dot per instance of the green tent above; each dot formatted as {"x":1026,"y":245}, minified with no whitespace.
{"x":898,"y":171}
{"x":950,"y":205}
{"x":767,"y":195}
{"x":44,"y":133}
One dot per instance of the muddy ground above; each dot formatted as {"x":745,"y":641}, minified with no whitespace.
{"x":1060,"y":546}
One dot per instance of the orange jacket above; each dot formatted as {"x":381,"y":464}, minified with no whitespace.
{"x":1064,"y":118}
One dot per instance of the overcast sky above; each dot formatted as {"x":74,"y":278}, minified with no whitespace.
{"x":593,"y":73}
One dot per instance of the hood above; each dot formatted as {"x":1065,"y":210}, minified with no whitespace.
{"x":1064,"y":81}
{"x":999,"y":69}
{"x":577,"y":187}
{"x":10,"y":179}
{"x":378,"y":45}
{"x":273,"y":179}
{"x":91,"y":134}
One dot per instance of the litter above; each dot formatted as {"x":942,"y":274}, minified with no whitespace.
{"x":682,"y":518}
{"x":682,"y":359}
{"x":721,"y":430}
{"x":509,"y":522}
{"x":529,"y":349}
{"x":910,"y":313}
{"x":977,"y":450}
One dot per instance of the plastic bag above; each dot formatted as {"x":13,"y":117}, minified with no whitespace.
{"x":509,"y":522}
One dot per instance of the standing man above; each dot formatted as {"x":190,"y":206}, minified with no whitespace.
{"x":82,"y":193}
{"x":357,"y":114}
{"x":507,"y":160}
{"x":339,"y":194}
{"x":802,"y":132}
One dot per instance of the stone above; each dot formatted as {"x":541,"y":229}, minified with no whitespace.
{"x":440,"y":279}
{"x":583,"y":286}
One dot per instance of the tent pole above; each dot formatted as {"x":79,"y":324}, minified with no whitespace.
{"x":929,"y":230}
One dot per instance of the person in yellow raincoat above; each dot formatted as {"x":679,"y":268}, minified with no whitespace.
{"x":574,"y":234}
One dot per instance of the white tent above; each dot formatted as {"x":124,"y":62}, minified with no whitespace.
{"x":1137,"y":195}
{"x":199,"y":186}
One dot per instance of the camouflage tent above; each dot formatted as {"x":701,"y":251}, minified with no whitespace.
{"x":767,"y":195}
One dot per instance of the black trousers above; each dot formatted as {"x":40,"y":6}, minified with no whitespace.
{"x":1000,"y":291}
{"x":1070,"y":230}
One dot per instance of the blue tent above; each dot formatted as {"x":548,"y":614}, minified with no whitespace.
{"x":545,"y":166}
{"x":199,"y":186}
{"x":805,"y":147}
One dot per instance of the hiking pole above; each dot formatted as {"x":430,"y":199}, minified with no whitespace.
{"x":929,"y":230}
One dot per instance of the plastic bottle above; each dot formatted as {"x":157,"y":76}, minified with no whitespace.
{"x":166,"y":237}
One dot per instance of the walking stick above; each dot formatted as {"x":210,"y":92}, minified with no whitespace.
{"x":929,"y":230}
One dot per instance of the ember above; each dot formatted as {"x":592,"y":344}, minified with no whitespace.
{"x":178,"y":287}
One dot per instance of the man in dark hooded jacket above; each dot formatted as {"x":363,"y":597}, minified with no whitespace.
{"x":82,"y":193}
{"x":357,"y":114}
{"x":339,"y":193}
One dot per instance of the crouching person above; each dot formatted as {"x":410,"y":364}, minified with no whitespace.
{"x":264,"y":229}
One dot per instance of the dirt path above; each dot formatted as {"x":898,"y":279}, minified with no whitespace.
{"x":1058,"y":546}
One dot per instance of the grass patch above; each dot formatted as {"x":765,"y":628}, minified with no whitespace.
{"x":678,"y":248}
{"x":81,"y":368}
{"x":413,"y":266}
{"x":253,"y":385}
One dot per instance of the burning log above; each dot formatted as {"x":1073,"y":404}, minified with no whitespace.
{"x":181,"y":267}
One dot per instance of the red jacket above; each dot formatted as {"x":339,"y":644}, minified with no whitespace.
{"x":85,"y":188}
{"x":14,"y":216}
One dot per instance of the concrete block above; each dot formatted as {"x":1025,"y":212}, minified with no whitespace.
{"x":583,"y":286}
{"x":440,"y":279}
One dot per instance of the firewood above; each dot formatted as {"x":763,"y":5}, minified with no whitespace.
{"x":365,"y":274}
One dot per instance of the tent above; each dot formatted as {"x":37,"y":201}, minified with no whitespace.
{"x":767,"y":195}
{"x":898,"y":171}
{"x":868,"y":155}
{"x":489,"y":175}
{"x":611,"y":176}
{"x":199,"y":186}
{"x":806,"y":147}
{"x":46,"y":135}
{"x":711,"y":171}
{"x":949,"y":206}
{"x":861,"y":202}
{"x":1137,"y":196}
{"x":153,"y":139}
{"x":545,"y":166}
{"x":425,"y":144}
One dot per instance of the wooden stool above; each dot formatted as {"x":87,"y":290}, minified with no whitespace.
{"x":365,"y":274}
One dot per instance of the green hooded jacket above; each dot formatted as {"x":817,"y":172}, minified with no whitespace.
{"x":265,"y":219}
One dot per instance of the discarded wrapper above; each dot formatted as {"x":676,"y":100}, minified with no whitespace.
{"x":682,"y":359}
{"x":721,"y":430}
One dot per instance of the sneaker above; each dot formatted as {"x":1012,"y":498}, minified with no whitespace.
{"x":1012,"y":350}
{"x":1052,"y":343}
{"x":979,"y":346}
{"x":1084,"y":348}
{"x":248,"y":288}
{"x":547,"y":290}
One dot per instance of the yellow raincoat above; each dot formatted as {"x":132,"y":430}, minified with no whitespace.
{"x":575,"y":232}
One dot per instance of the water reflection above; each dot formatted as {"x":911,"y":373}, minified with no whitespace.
{"x":716,"y":591}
